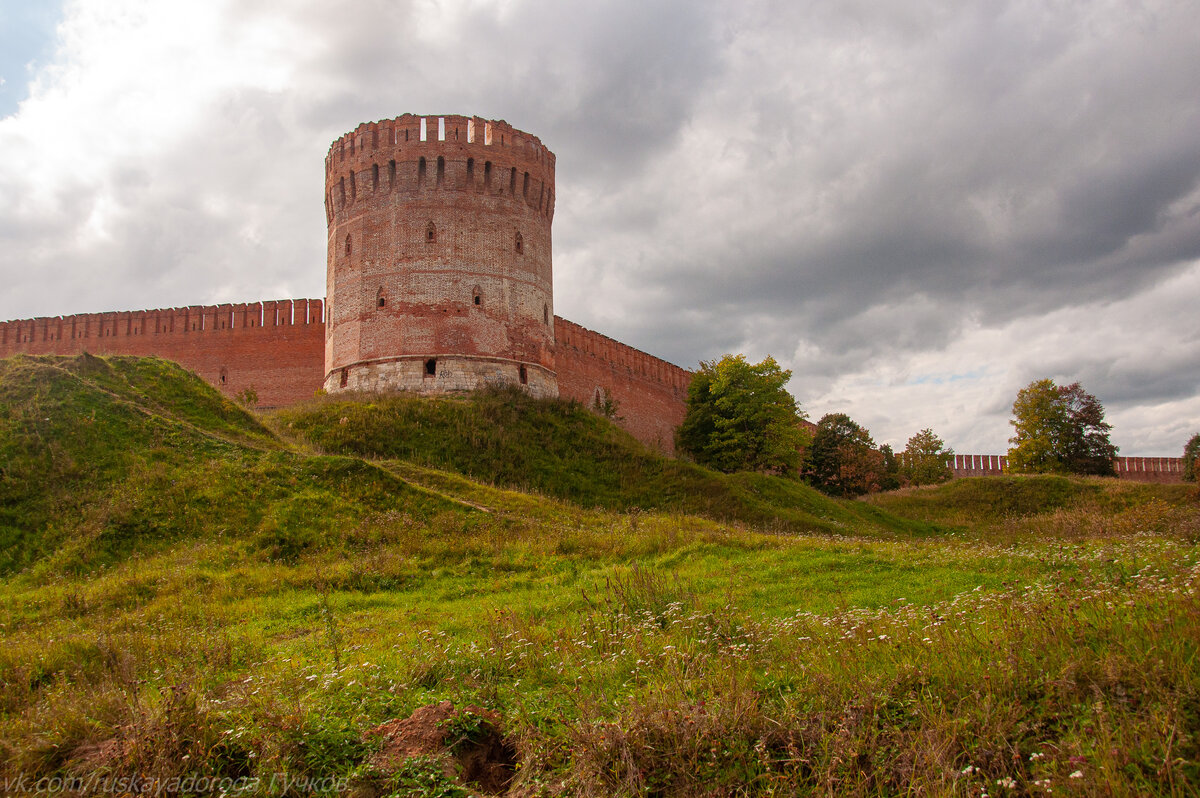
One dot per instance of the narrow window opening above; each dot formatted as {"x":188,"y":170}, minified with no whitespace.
{"x":345,"y":378}
{"x":349,"y":246}
{"x":406,"y":134}
{"x":441,"y":128}
{"x":391,"y":174}
{"x":374,"y":177}
{"x":353,"y":188}
{"x":380,"y":299}
{"x":470,"y":172}
{"x":545,"y":314}
{"x":524,"y":375}
{"x":487,"y":175}
{"x":477,"y":295}
{"x":421,"y":171}
{"x":222,"y":377}
{"x":441,"y":171}
{"x":519,"y":244}
{"x":431,"y":367}
{"x":525,"y":186}
{"x":512,"y":181}
{"x":431,"y":233}
{"x":342,"y":189}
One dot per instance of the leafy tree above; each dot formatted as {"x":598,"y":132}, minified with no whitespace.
{"x":926,"y":460}
{"x":1059,"y":429}
{"x":843,"y":460}
{"x":740,"y":417}
{"x":1191,"y":459}
{"x":889,"y":478}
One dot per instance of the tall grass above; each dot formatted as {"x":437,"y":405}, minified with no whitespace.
{"x":220,"y":605}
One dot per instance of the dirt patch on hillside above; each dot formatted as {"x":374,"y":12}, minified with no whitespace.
{"x":469,"y":740}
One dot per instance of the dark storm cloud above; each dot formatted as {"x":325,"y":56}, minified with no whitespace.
{"x":1021,"y":160}
{"x":604,"y":85}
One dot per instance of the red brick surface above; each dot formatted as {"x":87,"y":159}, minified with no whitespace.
{"x":276,"y":348}
{"x":651,"y":393}
{"x":439,"y":246}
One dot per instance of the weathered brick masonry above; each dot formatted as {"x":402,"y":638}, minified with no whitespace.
{"x":439,"y":272}
{"x":651,"y":394}
{"x":277,"y":348}
{"x":439,"y":277}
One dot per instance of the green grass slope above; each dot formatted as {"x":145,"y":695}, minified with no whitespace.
{"x":103,"y":456}
{"x":560,"y":449}
{"x":1010,"y":507}
{"x":188,"y":596}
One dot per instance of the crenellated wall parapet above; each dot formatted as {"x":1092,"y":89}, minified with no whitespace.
{"x":1134,"y":469}
{"x":412,"y":153}
{"x":92,"y":331}
{"x":634,"y":363}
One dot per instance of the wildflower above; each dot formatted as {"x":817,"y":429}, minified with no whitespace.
{"x":1077,"y":774}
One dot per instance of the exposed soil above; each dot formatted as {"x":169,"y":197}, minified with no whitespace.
{"x":469,"y":740}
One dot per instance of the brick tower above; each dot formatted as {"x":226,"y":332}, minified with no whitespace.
{"x":439,"y":271}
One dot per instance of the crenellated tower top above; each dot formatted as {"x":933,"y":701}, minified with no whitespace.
{"x":499,"y":159}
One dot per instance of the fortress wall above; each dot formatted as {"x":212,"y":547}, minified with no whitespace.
{"x":1150,"y":469}
{"x":275,"y":347}
{"x":1134,"y":469}
{"x":651,"y":393}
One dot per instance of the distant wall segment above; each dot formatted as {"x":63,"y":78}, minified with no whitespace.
{"x":275,"y":348}
{"x":1134,"y":469}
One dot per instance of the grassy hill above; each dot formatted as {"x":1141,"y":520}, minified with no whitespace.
{"x":190,"y":591}
{"x":102,"y":456}
{"x":562,"y":450}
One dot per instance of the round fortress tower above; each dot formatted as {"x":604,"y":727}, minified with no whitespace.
{"x":439,"y":270}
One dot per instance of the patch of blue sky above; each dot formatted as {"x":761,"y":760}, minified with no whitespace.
{"x":27,"y":39}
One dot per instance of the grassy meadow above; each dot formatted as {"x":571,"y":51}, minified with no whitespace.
{"x":192,"y":591}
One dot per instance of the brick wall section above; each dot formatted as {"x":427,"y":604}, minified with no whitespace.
{"x":439,"y":248}
{"x":651,"y":393}
{"x":1134,"y":469}
{"x":276,"y":348}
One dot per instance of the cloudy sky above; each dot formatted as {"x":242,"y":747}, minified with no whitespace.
{"x":917,"y":207}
